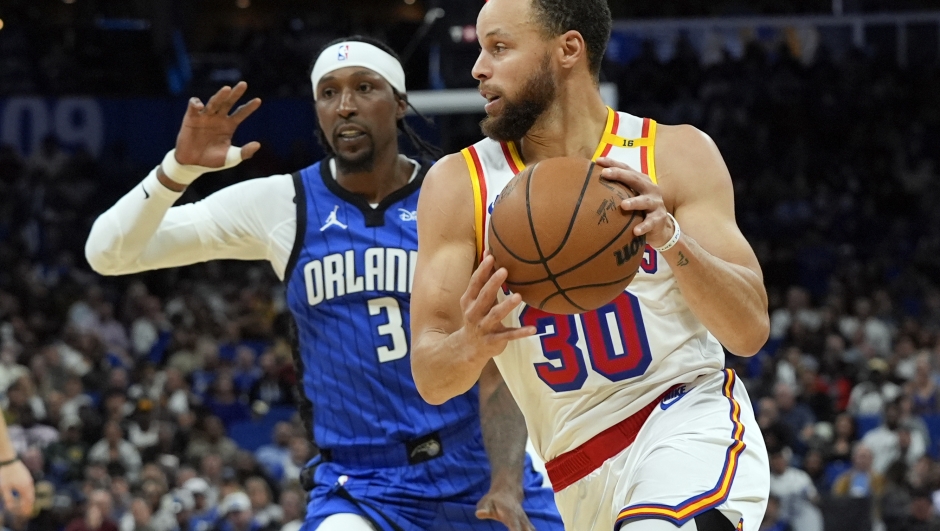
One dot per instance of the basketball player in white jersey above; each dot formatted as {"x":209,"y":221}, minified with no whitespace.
{"x":641,"y":426}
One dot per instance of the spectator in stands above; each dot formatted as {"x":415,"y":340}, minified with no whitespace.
{"x":292,"y":503}
{"x":874,"y":330}
{"x":795,"y":490}
{"x":922,"y":388}
{"x":96,"y":515}
{"x":912,"y":421}
{"x":245,"y":373}
{"x":795,"y":415}
{"x":772,"y":518}
{"x":139,"y":517}
{"x":922,"y":515}
{"x":142,"y":431}
{"x":237,"y":514}
{"x":64,"y":458}
{"x":814,"y":463}
{"x":273,"y":456}
{"x":271,"y":388}
{"x":896,"y":498}
{"x":113,"y":450}
{"x":773,"y":428}
{"x":870,"y":396}
{"x":204,"y":513}
{"x":861,"y":481}
{"x":224,"y":401}
{"x":175,"y":392}
{"x":904,"y":359}
{"x":798,"y":310}
{"x":267,"y":513}
{"x":891,"y":441}
{"x":212,"y":441}
{"x":298,"y":458}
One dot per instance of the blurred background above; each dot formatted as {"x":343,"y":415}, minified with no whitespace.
{"x":148,"y":400}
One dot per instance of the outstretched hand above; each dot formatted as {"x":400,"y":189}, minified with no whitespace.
{"x":206,"y":134}
{"x":483,"y":315}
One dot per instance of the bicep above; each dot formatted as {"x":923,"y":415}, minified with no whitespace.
{"x":704,"y":197}
{"x":446,"y":249}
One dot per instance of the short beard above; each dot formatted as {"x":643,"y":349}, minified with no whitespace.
{"x":362,"y":163}
{"x":518,"y":117}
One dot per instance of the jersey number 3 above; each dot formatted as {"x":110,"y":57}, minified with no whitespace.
{"x":615,"y":339}
{"x":394,"y":328}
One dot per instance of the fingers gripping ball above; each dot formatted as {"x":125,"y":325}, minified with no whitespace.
{"x":559,"y":231}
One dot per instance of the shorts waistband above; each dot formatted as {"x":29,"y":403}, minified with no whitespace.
{"x":416,"y":451}
{"x":570,"y":467}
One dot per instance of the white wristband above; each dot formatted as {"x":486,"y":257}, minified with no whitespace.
{"x":185,"y":174}
{"x":675,"y":236}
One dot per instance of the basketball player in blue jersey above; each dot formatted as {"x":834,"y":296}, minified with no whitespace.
{"x":342,"y":235}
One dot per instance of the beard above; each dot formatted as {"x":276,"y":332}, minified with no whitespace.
{"x":520,"y":113}
{"x":362,"y":162}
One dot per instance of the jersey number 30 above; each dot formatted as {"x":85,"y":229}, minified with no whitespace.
{"x":615,"y":339}
{"x":394,"y":328}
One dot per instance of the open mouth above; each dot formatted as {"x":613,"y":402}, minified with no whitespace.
{"x":350,"y":132}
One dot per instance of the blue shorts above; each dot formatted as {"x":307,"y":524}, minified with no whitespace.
{"x":437,"y":495}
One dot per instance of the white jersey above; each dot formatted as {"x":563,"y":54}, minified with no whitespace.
{"x":583,"y":373}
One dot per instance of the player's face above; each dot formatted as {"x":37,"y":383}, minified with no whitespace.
{"x":358,"y":112}
{"x":514,"y":69}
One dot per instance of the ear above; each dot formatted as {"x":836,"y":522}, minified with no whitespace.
{"x":402,"y":107}
{"x":573,"y":49}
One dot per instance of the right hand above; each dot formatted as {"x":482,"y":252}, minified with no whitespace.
{"x":483,"y":316}
{"x":16,"y":487}
{"x":207,"y":129}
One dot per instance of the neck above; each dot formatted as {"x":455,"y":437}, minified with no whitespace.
{"x":389,"y":173}
{"x":572,"y":127}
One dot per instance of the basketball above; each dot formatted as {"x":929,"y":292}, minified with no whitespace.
{"x":558,"y":229}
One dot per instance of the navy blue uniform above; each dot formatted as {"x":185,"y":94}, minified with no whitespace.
{"x":348,"y":286}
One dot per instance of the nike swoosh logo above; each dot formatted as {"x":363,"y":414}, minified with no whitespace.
{"x":145,"y":191}
{"x":673,"y":397}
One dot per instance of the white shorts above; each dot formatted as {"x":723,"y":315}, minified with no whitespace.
{"x":700,"y":449}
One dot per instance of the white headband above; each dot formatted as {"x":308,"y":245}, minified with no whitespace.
{"x":355,"y":53}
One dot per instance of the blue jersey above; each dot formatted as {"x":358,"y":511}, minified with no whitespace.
{"x":349,"y":289}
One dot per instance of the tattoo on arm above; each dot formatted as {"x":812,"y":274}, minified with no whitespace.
{"x":504,"y":433}
{"x":683,"y":261}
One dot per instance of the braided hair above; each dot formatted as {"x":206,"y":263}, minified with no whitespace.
{"x":428,"y":152}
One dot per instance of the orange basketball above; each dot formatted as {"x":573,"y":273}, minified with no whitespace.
{"x":558,"y":229}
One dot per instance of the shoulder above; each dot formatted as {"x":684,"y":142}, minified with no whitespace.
{"x":689,"y":162}
{"x":449,"y":179}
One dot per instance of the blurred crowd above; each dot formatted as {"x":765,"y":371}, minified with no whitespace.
{"x":125,"y":395}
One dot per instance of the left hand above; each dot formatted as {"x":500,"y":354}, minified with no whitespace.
{"x":506,"y":507}
{"x":16,"y":486}
{"x":657,"y":226}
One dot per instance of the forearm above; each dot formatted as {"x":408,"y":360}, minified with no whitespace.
{"x":120,"y":236}
{"x":504,"y":436}
{"x":443,"y":366}
{"x":6,"y":445}
{"x":729,"y":299}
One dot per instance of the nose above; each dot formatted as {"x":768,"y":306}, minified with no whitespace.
{"x":481,"y":69}
{"x":347,"y":104}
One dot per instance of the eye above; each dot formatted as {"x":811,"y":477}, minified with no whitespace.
{"x":365,"y":87}
{"x":327,"y":93}
{"x":499,"y":48}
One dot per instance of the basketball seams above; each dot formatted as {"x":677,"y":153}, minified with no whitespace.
{"x":535,"y":237}
{"x":574,"y":215}
{"x":587,"y":286}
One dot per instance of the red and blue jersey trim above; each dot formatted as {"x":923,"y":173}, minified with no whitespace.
{"x":689,"y":509}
